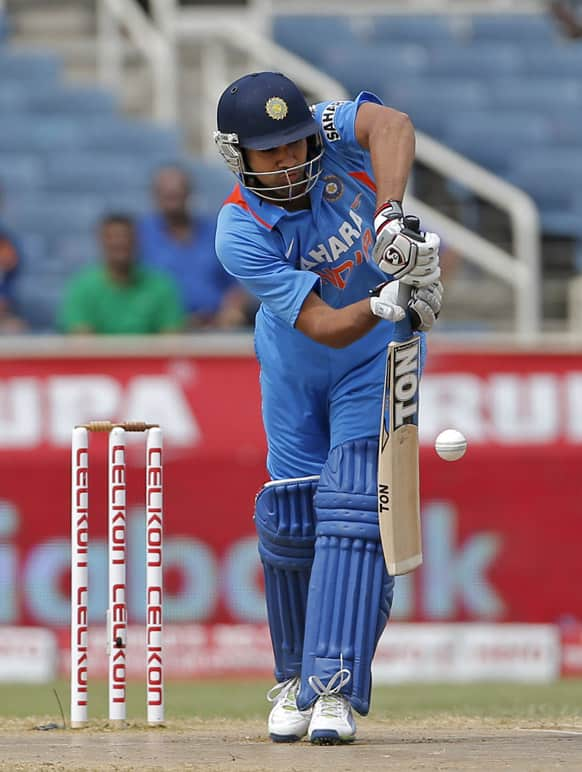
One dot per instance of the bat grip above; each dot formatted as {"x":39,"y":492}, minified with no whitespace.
{"x":403,"y":329}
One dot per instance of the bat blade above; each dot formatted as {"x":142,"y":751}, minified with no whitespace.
{"x":398,"y":474}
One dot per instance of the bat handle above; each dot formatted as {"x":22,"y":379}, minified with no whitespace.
{"x":412,"y":230}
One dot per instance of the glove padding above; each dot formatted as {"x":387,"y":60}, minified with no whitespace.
{"x":425,"y":305}
{"x":399,"y":255}
{"x":383,"y":302}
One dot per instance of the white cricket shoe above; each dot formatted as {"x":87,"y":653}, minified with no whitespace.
{"x":332,"y":721}
{"x":287,"y":724}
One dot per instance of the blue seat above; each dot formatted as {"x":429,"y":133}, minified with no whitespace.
{"x":75,"y":250}
{"x":553,"y":188}
{"x":21,"y":172}
{"x":413,"y":29}
{"x":24,"y":67}
{"x":132,"y":202}
{"x":548,"y":160}
{"x":135,"y":137}
{"x":566,"y":123}
{"x":541,"y":92}
{"x":36,"y":250}
{"x":50,"y":214}
{"x":12,"y":97}
{"x":3,"y":27}
{"x":95,"y":172}
{"x":373,"y":67}
{"x":553,"y":178}
{"x":71,"y":101}
{"x":559,"y":61}
{"x":433,"y":104}
{"x":492,"y":140}
{"x":562,"y":223}
{"x":38,"y":300}
{"x":21,"y":134}
{"x":309,"y":36}
{"x":212,"y":184}
{"x":505,"y":27}
{"x":477,"y":61}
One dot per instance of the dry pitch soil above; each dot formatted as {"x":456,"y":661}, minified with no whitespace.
{"x":241,"y":746}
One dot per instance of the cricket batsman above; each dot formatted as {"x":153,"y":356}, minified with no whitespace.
{"x":314,"y":229}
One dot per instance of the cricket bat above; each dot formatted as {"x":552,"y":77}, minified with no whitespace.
{"x":398,"y":474}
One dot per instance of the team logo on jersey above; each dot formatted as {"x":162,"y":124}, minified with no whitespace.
{"x":276,"y":108}
{"x":334,"y":188}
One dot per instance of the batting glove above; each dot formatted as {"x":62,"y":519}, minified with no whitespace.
{"x":383,"y":302}
{"x":400,"y":255}
{"x":425,"y":305}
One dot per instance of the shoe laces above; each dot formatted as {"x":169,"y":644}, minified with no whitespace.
{"x":330,"y":702}
{"x":285,"y":692}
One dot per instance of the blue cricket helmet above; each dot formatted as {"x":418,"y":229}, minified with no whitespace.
{"x":260,"y":111}
{"x":265,"y":109}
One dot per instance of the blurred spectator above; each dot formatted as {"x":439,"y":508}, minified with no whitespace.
{"x":568,"y":14}
{"x":120,"y":296}
{"x":10,"y":261}
{"x":173,"y":239}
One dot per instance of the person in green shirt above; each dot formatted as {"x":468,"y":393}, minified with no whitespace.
{"x":120,"y":296}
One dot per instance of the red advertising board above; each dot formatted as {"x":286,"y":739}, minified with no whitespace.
{"x":502,"y":527}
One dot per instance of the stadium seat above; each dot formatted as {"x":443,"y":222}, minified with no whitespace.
{"x":543,"y":93}
{"x":212,"y":183}
{"x":551,"y":187}
{"x":433,"y":104}
{"x":375,"y":66}
{"x":479,"y":61}
{"x":559,"y":61}
{"x":20,"y":134}
{"x":35,"y":250}
{"x":492,"y":139}
{"x":566,"y":124}
{"x":21,"y":173}
{"x":38,"y":300}
{"x":123,"y":135}
{"x":75,"y":250}
{"x":28,"y":67}
{"x":12,"y":97}
{"x":88,"y":172}
{"x":504,"y":27}
{"x":3,"y":28}
{"x":48,"y":215}
{"x":310,"y":36}
{"x":75,"y":101}
{"x":413,"y":29}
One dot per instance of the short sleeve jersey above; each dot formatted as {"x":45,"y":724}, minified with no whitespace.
{"x":147,"y":304}
{"x":281,"y":256}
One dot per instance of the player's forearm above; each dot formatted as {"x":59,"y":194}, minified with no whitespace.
{"x":335,"y":327}
{"x":392,"y":147}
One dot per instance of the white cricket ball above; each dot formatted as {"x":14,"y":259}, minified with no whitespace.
{"x":451,"y":445}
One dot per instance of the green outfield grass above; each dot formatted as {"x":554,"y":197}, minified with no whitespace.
{"x":246,"y":699}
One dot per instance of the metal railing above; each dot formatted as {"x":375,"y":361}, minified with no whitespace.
{"x":521,"y":269}
{"x":117,"y":19}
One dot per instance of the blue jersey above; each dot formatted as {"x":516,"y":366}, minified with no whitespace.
{"x":314,"y":397}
